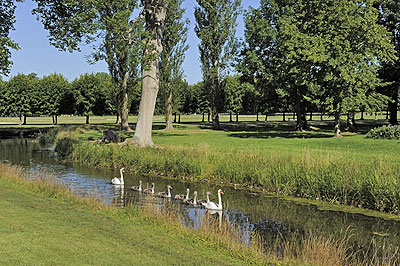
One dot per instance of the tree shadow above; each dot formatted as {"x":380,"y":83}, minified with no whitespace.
{"x":269,"y":135}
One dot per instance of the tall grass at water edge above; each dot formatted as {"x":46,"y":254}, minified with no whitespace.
{"x":374,"y":184}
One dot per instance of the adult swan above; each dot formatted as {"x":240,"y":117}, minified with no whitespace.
{"x":212,"y":205}
{"x":119,"y":181}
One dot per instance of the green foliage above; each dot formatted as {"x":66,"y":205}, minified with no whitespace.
{"x":52,"y":91}
{"x":216,"y":27}
{"x":7,"y":20}
{"x":48,"y":136}
{"x":64,"y":146}
{"x":384,"y":132}
{"x":173,"y":54}
{"x":21,"y":95}
{"x":91,"y":93}
{"x":317,"y":52}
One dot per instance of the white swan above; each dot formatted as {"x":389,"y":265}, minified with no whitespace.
{"x":138,"y":188}
{"x":203,"y":201}
{"x":212,"y":205}
{"x":165,"y":194}
{"x":118,"y":181}
{"x":149,"y":190}
{"x":182,"y":196}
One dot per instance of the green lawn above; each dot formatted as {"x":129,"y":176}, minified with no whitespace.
{"x":38,"y":230}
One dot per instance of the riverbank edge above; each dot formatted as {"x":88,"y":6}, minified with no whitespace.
{"x":335,"y":184}
{"x":46,"y":187}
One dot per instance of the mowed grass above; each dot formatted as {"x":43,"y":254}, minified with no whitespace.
{"x":46,"y":228}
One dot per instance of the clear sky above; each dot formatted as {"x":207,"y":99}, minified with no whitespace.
{"x":36,"y":55}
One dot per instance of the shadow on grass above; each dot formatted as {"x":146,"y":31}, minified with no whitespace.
{"x":268,"y":135}
{"x":321,"y":129}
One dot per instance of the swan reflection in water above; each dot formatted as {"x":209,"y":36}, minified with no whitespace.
{"x":118,"y":192}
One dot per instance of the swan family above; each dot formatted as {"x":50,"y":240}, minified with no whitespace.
{"x":184,"y":198}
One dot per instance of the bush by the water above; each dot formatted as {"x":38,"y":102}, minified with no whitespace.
{"x":373,"y":184}
{"x":48,"y":136}
{"x":385,"y":132}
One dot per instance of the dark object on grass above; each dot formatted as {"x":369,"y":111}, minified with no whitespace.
{"x":110,"y":136}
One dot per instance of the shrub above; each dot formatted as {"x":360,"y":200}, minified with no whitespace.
{"x":48,"y":136}
{"x":385,"y":132}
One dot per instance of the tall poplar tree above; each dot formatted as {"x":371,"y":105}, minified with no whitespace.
{"x":174,"y":47}
{"x":216,"y":27}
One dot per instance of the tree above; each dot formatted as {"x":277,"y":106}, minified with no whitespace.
{"x":89,"y":91}
{"x":154,"y":13}
{"x":389,"y":16}
{"x":235,"y":92}
{"x":345,"y":45}
{"x":173,"y":54}
{"x":7,"y":20}
{"x":323,"y":51}
{"x":20,"y":96}
{"x":72,"y":22}
{"x":52,"y":91}
{"x":215,"y":27}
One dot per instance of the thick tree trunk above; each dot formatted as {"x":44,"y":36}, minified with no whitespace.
{"x":230,"y":117}
{"x":301,"y":121}
{"x":337,"y":124}
{"x":87,"y":120}
{"x":284,"y":117}
{"x":208,"y":117}
{"x":215,"y":120}
{"x":350,"y":122}
{"x":393,"y":107}
{"x":266,"y":117}
{"x":237,"y":117}
{"x":54,"y":121}
{"x":24,"y":120}
{"x":150,"y":75}
{"x":362,"y":115}
{"x":257,"y":120}
{"x":169,"y":125}
{"x":179,"y":118}
{"x":310,"y":116}
{"x":203,"y":118}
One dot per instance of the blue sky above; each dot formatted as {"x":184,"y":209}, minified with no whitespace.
{"x":36,"y":55}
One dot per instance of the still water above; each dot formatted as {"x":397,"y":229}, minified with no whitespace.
{"x":270,"y":216}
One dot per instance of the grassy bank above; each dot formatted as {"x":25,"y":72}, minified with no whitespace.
{"x":44,"y":223}
{"x":332,"y":175}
